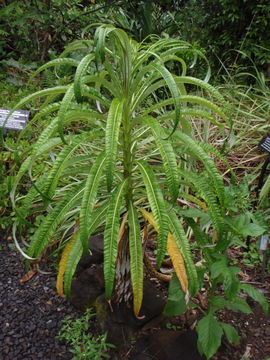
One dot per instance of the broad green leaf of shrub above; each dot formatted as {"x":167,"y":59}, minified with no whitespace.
{"x":209,"y":335}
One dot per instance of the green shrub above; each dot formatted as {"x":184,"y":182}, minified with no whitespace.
{"x":118,"y":141}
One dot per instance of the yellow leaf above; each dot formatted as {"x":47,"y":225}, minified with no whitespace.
{"x":149,"y":217}
{"x":63,"y":263}
{"x":174,"y":252}
{"x":178,"y":262}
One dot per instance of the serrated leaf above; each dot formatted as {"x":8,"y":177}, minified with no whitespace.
{"x":183,"y":245}
{"x":111,"y":138}
{"x":157,"y":204}
{"x":216,"y":303}
{"x":239,"y":304}
{"x":230,"y":333}
{"x":55,"y":62}
{"x":219,"y":267}
{"x":209,"y":335}
{"x":256,"y":295}
{"x":63,"y":263}
{"x":136,"y":258}
{"x":178,"y":262}
{"x":65,"y":104}
{"x":43,"y":234}
{"x":89,"y":197}
{"x":169,"y":79}
{"x":168,"y":157}
{"x":111,"y":237}
{"x":81,"y":69}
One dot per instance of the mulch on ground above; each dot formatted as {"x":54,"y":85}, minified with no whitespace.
{"x":31,"y":313}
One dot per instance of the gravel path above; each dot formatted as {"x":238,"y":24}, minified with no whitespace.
{"x":30,"y":312}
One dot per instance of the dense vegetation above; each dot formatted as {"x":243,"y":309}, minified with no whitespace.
{"x":127,"y":136}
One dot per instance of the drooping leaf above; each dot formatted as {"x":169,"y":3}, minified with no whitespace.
{"x":178,"y":262}
{"x":81,"y":69}
{"x":111,"y":237}
{"x":53,"y":63}
{"x":157,"y":204}
{"x":63,"y":263}
{"x":89,"y":197}
{"x":169,"y":79}
{"x":136,"y":258}
{"x":168,"y":157}
{"x":182,"y":243}
{"x":43,"y":234}
{"x":111,"y":138}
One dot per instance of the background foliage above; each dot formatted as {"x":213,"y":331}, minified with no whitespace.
{"x":35,"y":30}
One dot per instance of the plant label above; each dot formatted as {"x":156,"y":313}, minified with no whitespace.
{"x":264,"y":242}
{"x":17,"y":120}
{"x":264,"y":145}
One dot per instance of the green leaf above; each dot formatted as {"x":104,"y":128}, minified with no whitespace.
{"x":219,"y":267}
{"x":256,"y":295}
{"x":65,"y":104}
{"x":168,"y":157}
{"x":136,"y":258}
{"x":239,"y":304}
{"x":157,"y":204}
{"x":231,"y":333}
{"x":59,"y":165}
{"x":111,"y":237}
{"x":111,"y":138}
{"x":81,"y":69}
{"x":176,"y":304}
{"x":242,"y":225}
{"x":169,"y":79}
{"x":42,"y":236}
{"x":216,"y":303}
{"x":209,"y":335}
{"x":89,"y":197}
{"x":55,"y":62}
{"x":198,"y":152}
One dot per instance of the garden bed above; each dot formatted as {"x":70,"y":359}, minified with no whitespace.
{"x":31,"y":315}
